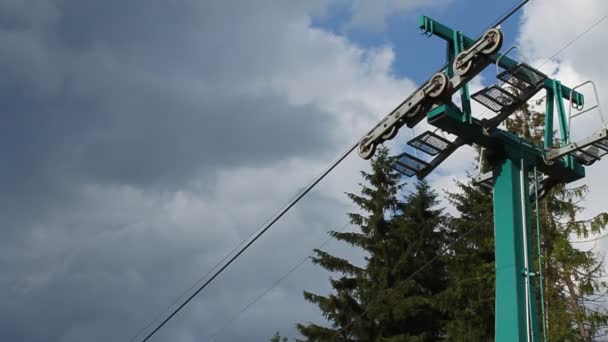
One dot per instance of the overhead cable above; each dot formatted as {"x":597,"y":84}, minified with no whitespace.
{"x":200,"y":279}
{"x":254,"y":239}
{"x":275,"y":284}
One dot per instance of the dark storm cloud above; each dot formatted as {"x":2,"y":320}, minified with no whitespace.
{"x":129,"y":92}
{"x":144,"y":93}
{"x":105,"y":100}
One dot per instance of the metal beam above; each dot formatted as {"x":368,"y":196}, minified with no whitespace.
{"x":549,"y":120}
{"x":432,"y":27}
{"x":600,"y":135}
{"x":449,"y":118}
{"x":515,"y":309}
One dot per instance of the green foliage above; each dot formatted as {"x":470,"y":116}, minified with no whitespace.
{"x":572,"y":281}
{"x":277,"y":338}
{"x":469,"y":298}
{"x":573,"y":278}
{"x":390,"y":299}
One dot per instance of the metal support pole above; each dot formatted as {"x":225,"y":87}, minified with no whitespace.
{"x":465,"y":96}
{"x":516,"y":314}
{"x":561,"y":111}
{"x":549,"y":120}
{"x":563,"y":118}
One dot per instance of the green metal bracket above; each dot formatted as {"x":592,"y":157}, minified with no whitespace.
{"x":505,"y":62}
{"x":561,"y":111}
{"x":426,"y":26}
{"x":516,"y":306}
{"x":450,"y":119}
{"x":549,"y":120}
{"x":563,"y":118}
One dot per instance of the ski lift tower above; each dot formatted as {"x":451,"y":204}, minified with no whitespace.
{"x":512,"y":158}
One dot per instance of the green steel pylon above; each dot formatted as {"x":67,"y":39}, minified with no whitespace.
{"x":512,"y":157}
{"x":516,"y":311}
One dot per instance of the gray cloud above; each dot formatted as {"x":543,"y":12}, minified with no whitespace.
{"x":125,"y":126}
{"x":151,"y":96}
{"x":101,"y":92}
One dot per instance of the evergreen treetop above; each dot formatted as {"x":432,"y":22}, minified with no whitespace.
{"x":390,"y":298}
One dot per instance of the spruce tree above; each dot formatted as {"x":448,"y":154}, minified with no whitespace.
{"x":277,"y":338}
{"x":469,"y":298}
{"x":390,"y":299}
{"x":572,"y":277}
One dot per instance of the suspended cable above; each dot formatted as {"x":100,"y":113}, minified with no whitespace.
{"x":573,"y":40}
{"x":567,"y":45}
{"x":562,"y":49}
{"x":509,"y":13}
{"x":275,"y":284}
{"x":323,"y":175}
{"x":182,"y":295}
{"x":198,"y":281}
{"x":255,"y":238}
{"x":591,"y":240}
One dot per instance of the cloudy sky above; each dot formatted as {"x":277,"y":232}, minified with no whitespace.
{"x":142,"y":140}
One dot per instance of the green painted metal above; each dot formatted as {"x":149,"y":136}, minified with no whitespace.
{"x":433,"y":27}
{"x":562,"y":116}
{"x":512,"y":209}
{"x":510,"y":287}
{"x":516,"y":313}
{"x":517,"y":316}
{"x":548,"y":143}
{"x":450,"y":119}
{"x":426,"y":26}
{"x":561,"y":112}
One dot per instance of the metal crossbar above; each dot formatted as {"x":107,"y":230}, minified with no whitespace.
{"x":587,"y":150}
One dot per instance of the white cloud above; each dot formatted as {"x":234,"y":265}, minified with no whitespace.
{"x":547,"y":26}
{"x":109,"y":244}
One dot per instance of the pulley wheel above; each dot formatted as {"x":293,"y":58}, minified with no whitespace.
{"x":495,"y":36}
{"x":390,"y":134}
{"x":366,"y":152}
{"x":414,"y":111}
{"x":441,"y":82}
{"x":462,"y":68}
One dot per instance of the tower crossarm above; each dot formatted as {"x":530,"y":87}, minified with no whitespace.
{"x":438,"y":89}
{"x":449,"y":118}
{"x":432,"y":27}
